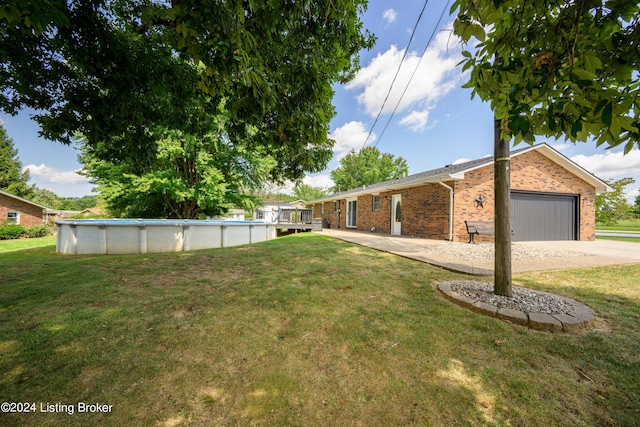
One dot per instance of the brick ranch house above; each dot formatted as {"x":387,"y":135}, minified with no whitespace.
{"x":552,"y":198}
{"x":21,"y":211}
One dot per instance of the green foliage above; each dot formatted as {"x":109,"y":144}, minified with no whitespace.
{"x":636,"y":206}
{"x":308,"y":192}
{"x":46,"y":198}
{"x":80,"y":203}
{"x":612,"y":206}
{"x":186,"y":174}
{"x":267,"y":196}
{"x":366,"y":167}
{"x":50,"y":199}
{"x":556,"y":68}
{"x":11,"y":231}
{"x":12,"y":179}
{"x":116,"y":72}
{"x":148,"y":84}
{"x":37,"y":231}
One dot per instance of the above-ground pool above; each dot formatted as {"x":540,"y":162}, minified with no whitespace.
{"x":141,"y":236}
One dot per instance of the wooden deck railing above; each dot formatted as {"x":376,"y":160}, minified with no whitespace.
{"x":295,"y":218}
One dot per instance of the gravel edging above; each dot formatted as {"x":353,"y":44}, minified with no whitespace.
{"x":535,"y":309}
{"x":484,"y":252}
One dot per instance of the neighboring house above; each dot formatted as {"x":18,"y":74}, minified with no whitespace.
{"x":21,"y":211}
{"x":552,"y":198}
{"x":268,"y":212}
{"x":55,"y":214}
{"x":236,"y":215}
{"x":92,"y":212}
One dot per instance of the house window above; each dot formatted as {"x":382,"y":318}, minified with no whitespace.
{"x":13,"y":217}
{"x":376,"y":202}
{"x":335,"y":207}
{"x":260,"y":214}
{"x":322,"y":208}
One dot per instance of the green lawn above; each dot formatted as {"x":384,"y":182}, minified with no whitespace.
{"x":625,"y":225}
{"x":303,"y":330}
{"x":19,"y":244}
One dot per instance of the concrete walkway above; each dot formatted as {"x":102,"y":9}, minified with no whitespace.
{"x":441,"y":253}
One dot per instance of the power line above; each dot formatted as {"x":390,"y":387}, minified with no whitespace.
{"x":397,"y":72}
{"x":414,"y":72}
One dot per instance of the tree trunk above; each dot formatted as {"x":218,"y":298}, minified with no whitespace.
{"x":502,"y":215}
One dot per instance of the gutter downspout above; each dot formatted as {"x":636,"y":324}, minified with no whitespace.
{"x":450,"y":209}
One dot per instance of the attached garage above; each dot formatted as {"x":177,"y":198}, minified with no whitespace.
{"x":544,"y":216}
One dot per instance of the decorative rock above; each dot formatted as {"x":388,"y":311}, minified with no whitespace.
{"x":536,"y":309}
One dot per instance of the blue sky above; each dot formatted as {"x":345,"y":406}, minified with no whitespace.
{"x":436,"y":122}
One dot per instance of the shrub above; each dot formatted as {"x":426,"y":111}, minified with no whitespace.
{"x":38,"y":231}
{"x":11,"y":231}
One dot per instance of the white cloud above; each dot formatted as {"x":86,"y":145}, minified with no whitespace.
{"x":45,"y":173}
{"x":322,"y":180}
{"x":611,"y":165}
{"x":461,"y":160}
{"x":416,"y":120}
{"x":390,"y":15}
{"x":350,"y":136}
{"x":435,"y":76}
{"x":614,"y":165}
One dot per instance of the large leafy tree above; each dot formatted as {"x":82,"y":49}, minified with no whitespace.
{"x":122,"y":73}
{"x":308,"y":192}
{"x":47,"y":198}
{"x":612,"y":206}
{"x":366,"y":167}
{"x":566,"y":69}
{"x":13,"y":179}
{"x":190,"y":173}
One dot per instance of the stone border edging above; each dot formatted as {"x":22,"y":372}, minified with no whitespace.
{"x":581,"y":318}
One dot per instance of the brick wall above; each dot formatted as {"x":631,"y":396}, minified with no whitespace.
{"x":425,"y":209}
{"x":537,"y":173}
{"x":30,"y":215}
{"x":331,"y":217}
{"x":529,"y":172}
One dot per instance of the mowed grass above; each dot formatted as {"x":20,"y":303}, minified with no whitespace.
{"x":622,"y":225}
{"x":19,"y":244}
{"x":303,"y":330}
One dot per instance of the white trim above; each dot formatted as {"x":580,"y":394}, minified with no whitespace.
{"x":373,"y":205}
{"x":355,"y":214}
{"x":395,"y":199}
{"x":450,"y":209}
{"x":17,"y":218}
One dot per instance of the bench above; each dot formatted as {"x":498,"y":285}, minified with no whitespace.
{"x":479,"y":227}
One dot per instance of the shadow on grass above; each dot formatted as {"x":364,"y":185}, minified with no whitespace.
{"x":303,"y":330}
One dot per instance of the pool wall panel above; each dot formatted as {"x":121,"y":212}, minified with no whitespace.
{"x":149,"y":236}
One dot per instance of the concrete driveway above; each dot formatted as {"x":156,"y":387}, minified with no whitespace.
{"x":478,"y":259}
